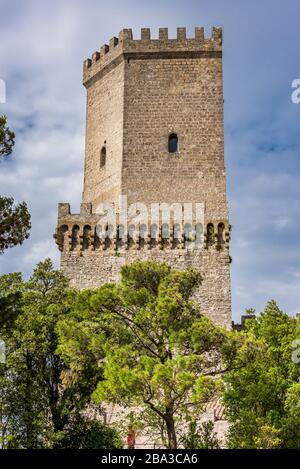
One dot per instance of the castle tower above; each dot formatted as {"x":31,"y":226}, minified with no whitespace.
{"x":154,"y":133}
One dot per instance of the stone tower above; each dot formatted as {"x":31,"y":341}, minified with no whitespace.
{"x":154,"y":133}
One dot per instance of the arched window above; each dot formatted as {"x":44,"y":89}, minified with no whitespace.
{"x":199,"y":234}
{"x":121,"y":232}
{"x":132,"y":232}
{"x":221,"y":233}
{"x":210,"y":234}
{"x":173,"y":143}
{"x":153,"y":231}
{"x":86,"y":242}
{"x":188,"y":232}
{"x":143,"y":231}
{"x":177,"y":231}
{"x":165,"y":231}
{"x":75,"y":241}
{"x":102,"y":157}
{"x":62,"y":237}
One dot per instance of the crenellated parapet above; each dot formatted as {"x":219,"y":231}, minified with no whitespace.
{"x":127,"y":47}
{"x":88,"y":231}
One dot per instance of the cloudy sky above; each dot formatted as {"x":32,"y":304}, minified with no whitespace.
{"x":42,"y":47}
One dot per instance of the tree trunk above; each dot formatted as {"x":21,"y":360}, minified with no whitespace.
{"x":172,"y":440}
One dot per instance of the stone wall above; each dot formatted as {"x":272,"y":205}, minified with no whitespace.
{"x":89,"y":269}
{"x":104,"y":130}
{"x":182,"y":96}
{"x":139,"y":91}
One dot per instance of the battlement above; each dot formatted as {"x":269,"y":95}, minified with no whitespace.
{"x":125,"y":46}
{"x":90,"y":231}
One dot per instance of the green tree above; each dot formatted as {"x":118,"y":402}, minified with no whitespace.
{"x":291,"y":420}
{"x":262,"y":397}
{"x":83,"y":433}
{"x":39,"y":397}
{"x":7,"y":138}
{"x":11,"y":287}
{"x":14,"y":223}
{"x":202,"y":436}
{"x":156,"y":350}
{"x":14,"y":220}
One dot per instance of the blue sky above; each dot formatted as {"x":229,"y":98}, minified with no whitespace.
{"x":43,"y":45}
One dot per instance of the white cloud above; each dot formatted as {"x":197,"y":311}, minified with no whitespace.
{"x":40,"y":251}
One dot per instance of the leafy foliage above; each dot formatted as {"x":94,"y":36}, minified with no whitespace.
{"x":203,"y":437}
{"x":14,"y":223}
{"x":142,"y":344}
{"x":14,"y":220}
{"x":39,"y":397}
{"x":7,"y":138}
{"x":11,"y":287}
{"x":262,"y":397}
{"x":83,"y":433}
{"x":155,"y":348}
